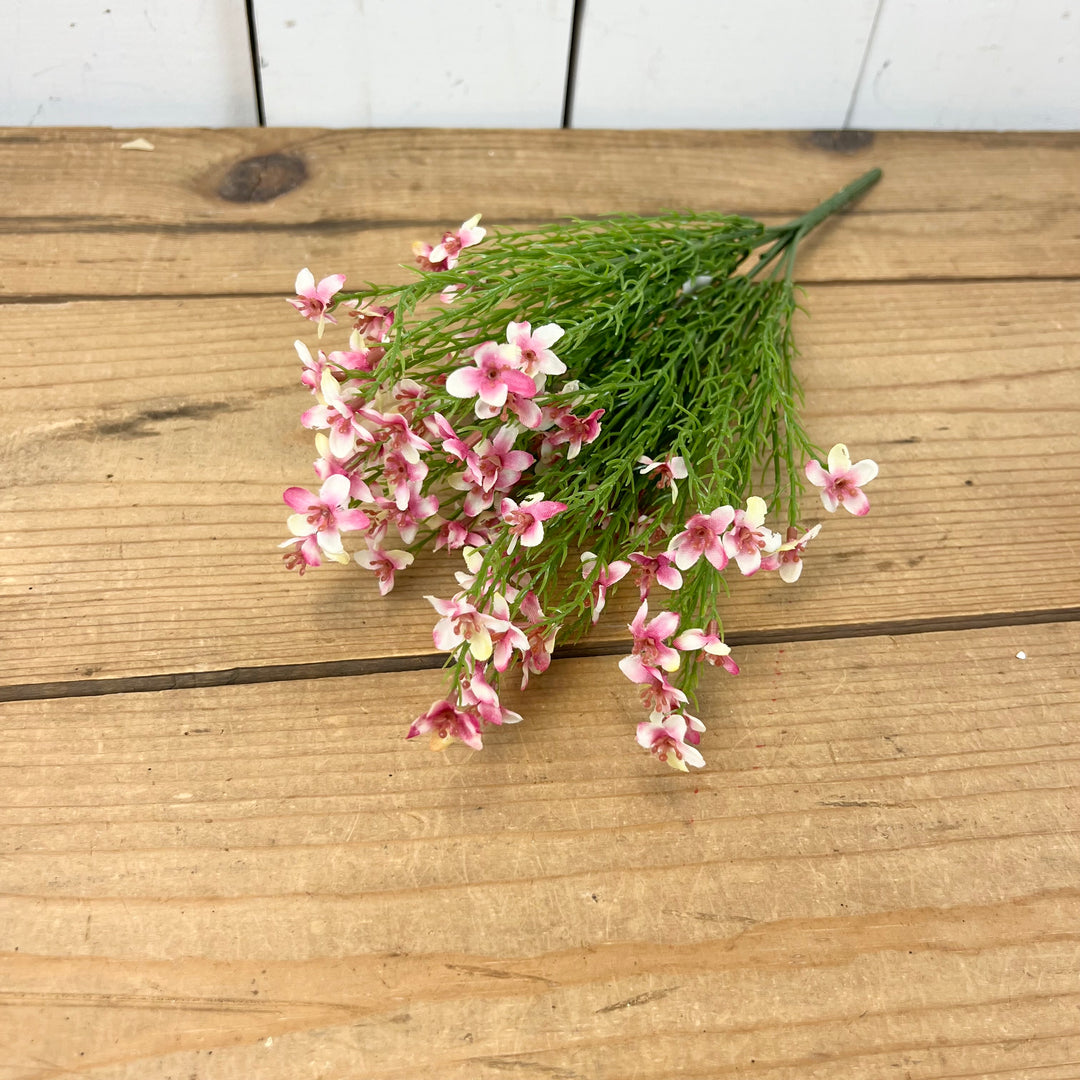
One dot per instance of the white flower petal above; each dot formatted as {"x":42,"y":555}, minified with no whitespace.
{"x":839,"y":459}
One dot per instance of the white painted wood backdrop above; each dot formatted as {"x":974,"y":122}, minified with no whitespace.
{"x":933,"y":64}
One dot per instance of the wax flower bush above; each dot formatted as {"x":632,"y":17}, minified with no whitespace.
{"x":573,"y":409}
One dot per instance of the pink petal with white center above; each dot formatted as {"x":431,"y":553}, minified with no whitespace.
{"x":816,"y":474}
{"x":862,"y":472}
{"x":330,"y":285}
{"x":691,"y":755}
{"x":669,"y":577}
{"x":491,"y":394}
{"x":464,"y":382}
{"x":857,"y":503}
{"x":533,"y":536}
{"x":717,"y":556}
{"x":636,"y":671}
{"x":664,"y":625}
{"x":829,"y":500}
{"x":335,"y":490}
{"x":749,"y":562}
{"x":299,"y":498}
{"x":689,"y":640}
{"x":717,"y":648}
{"x":686,"y":557}
{"x":446,"y":638}
{"x":443,"y":607}
{"x":342,"y":442}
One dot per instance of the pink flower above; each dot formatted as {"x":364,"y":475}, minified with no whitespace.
{"x":446,"y":722}
{"x":668,"y":471}
{"x":453,"y":243}
{"x":461,"y":622}
{"x":749,"y":538}
{"x":505,"y":640}
{"x":695,"y":726}
{"x":481,"y":695}
{"x":667,"y":740}
{"x":326,"y":515}
{"x":541,"y":637}
{"x":383,"y":564}
{"x":439,"y":427}
{"x":495,"y":465}
{"x":313,"y":368}
{"x":407,"y":395}
{"x":392,"y":429}
{"x":403,"y":477}
{"x":373,"y":322}
{"x":454,"y":535}
{"x":702,"y":536}
{"x":657,"y":694}
{"x":526,"y":410}
{"x":578,"y":431}
{"x":843,"y":482}
{"x":649,"y":638}
{"x":493,"y":377}
{"x":716,"y":652}
{"x":420,"y":508}
{"x":315,"y":301}
{"x":659,"y":568}
{"x":342,"y":411}
{"x":305,"y":553}
{"x":526,"y":522}
{"x":536,"y":357}
{"x":788,"y":557}
{"x":328,"y":465}
{"x":360,"y":358}
{"x":609,"y":575}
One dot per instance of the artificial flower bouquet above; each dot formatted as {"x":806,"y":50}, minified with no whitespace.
{"x":570,"y":408}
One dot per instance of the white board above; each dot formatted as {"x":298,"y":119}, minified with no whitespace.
{"x":980,"y":64}
{"x":414,"y":63}
{"x":126,"y":63}
{"x":719,"y":63}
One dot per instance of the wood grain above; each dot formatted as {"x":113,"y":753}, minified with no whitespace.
{"x":159,"y":224}
{"x":144,"y":500}
{"x":876,"y":873}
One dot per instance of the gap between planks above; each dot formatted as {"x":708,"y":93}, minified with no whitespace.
{"x":381,"y":665}
{"x":39,"y":300}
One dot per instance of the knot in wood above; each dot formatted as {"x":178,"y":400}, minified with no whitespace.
{"x":260,"y":179}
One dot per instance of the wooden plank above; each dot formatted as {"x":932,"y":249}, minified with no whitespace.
{"x":85,"y":219}
{"x":1005,"y":65}
{"x":435,"y":65}
{"x":719,"y":68}
{"x":877,"y":871}
{"x":142,"y":504}
{"x":126,"y":65}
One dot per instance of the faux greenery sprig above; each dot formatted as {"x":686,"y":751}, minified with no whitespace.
{"x":447,"y":420}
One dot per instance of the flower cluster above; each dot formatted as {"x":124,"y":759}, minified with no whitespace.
{"x":530,"y":426}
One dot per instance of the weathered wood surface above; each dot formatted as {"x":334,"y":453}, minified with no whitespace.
{"x":164,"y":459}
{"x":877,"y":873}
{"x":979,"y":206}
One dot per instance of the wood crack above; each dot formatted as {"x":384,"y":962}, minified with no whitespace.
{"x":381,"y":665}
